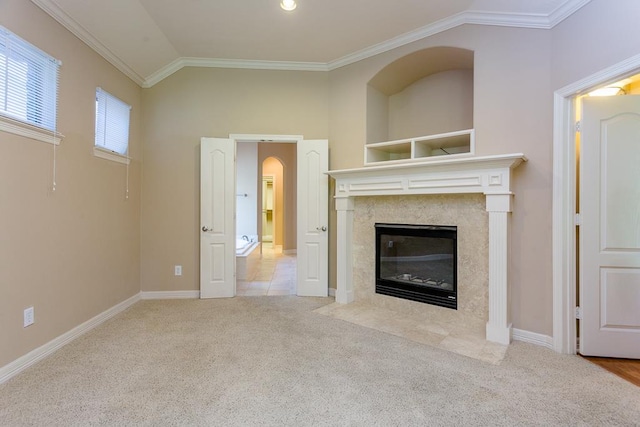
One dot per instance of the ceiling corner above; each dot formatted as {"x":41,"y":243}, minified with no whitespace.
{"x":567,"y":9}
{"x":53,"y":10}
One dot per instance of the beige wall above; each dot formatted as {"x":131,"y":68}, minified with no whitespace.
{"x":377,"y":116}
{"x":197,"y":102}
{"x":439,"y":103}
{"x":286,"y":209}
{"x":74,"y":253}
{"x":599,"y":35}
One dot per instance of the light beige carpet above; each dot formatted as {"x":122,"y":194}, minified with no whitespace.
{"x":252,"y":361}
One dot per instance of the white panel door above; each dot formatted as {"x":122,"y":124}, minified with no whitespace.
{"x":217,"y":223}
{"x":313,"y":218}
{"x":610,"y":227}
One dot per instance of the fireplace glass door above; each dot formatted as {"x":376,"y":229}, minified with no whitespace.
{"x":417,"y":262}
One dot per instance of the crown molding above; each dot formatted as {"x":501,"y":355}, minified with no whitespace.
{"x":401,"y":40}
{"x":53,"y":10}
{"x":501,"y":19}
{"x":231,"y":63}
{"x":565,"y":10}
{"x":520,"y":20}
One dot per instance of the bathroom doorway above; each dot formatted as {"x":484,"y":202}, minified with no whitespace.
{"x":266,"y":173}
{"x":306,"y":218}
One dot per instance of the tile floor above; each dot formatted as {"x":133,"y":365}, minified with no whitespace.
{"x":275,"y":274}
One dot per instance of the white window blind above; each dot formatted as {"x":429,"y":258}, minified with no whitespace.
{"x":112,"y":123}
{"x":28,"y":82}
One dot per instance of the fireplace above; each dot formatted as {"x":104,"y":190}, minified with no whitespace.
{"x":490,"y":176}
{"x":417,"y":262}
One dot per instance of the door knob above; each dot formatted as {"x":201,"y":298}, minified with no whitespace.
{"x":205,"y":229}
{"x":323,"y":228}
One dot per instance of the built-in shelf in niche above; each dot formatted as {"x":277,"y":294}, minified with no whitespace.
{"x":450,"y":144}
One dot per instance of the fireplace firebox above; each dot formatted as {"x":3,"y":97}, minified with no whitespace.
{"x":417,"y":262}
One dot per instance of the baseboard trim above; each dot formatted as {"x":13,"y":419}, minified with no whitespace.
{"x":532,"y":338}
{"x":17,"y":366}
{"x":170,"y":295}
{"x":332,"y":292}
{"x":290,"y":252}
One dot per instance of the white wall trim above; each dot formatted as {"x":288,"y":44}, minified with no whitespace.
{"x":532,"y":338}
{"x":111,"y":155}
{"x":53,"y":10}
{"x":332,"y":292}
{"x":17,"y":127}
{"x":520,"y":20}
{"x":401,"y":40}
{"x":565,"y":10}
{"x":564,"y":195}
{"x":180,"y":63}
{"x":17,"y":366}
{"x":154,"y":295}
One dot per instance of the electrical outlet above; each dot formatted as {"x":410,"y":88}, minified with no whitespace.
{"x":29,"y":318}
{"x":178,"y":270}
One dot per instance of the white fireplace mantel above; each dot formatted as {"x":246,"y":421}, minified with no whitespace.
{"x":489,"y":175}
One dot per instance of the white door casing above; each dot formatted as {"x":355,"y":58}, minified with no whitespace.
{"x":313,"y":218}
{"x":217,"y":218}
{"x":610,"y":227}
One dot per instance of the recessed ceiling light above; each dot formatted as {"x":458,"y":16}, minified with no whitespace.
{"x":288,"y":5}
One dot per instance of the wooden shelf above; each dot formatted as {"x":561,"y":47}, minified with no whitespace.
{"x":456,"y":144}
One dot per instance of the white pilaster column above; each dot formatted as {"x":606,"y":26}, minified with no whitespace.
{"x":499,"y":324}
{"x":344,"y":263}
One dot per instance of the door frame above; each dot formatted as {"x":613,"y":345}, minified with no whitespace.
{"x":564,"y":199}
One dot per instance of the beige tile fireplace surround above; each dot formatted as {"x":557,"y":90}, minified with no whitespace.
{"x":472,"y":193}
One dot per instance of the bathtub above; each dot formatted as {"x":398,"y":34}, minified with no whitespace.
{"x":247,"y":257}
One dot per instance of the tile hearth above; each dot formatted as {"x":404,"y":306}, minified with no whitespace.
{"x":425,"y":328}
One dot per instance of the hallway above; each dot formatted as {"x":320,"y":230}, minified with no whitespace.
{"x":274,"y":275}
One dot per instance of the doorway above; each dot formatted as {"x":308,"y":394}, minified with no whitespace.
{"x":565,"y":202}
{"x":265,"y":174}
{"x":219,"y":236}
{"x":268,"y":210}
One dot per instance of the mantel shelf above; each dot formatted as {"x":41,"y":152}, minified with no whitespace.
{"x":486,"y":174}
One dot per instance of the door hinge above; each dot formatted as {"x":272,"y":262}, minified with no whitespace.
{"x":578,"y":126}
{"x":578,"y":220}
{"x":578,"y":313}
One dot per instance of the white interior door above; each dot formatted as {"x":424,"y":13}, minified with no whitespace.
{"x":217,"y":218}
{"x":610,"y":227}
{"x":313,"y":218}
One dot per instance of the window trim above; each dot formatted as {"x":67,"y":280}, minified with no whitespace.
{"x":18,"y":127}
{"x":106,"y":154}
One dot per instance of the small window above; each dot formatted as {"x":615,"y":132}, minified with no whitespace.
{"x":28,"y":83}
{"x":112,"y":123}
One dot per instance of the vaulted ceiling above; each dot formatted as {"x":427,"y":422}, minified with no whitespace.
{"x":150,"y":39}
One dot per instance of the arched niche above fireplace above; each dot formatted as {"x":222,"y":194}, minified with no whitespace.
{"x":426,"y":93}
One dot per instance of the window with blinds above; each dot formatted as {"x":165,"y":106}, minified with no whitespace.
{"x":28,"y":82}
{"x":112,"y":123}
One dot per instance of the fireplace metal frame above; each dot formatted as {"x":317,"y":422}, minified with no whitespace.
{"x":426,"y":294}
